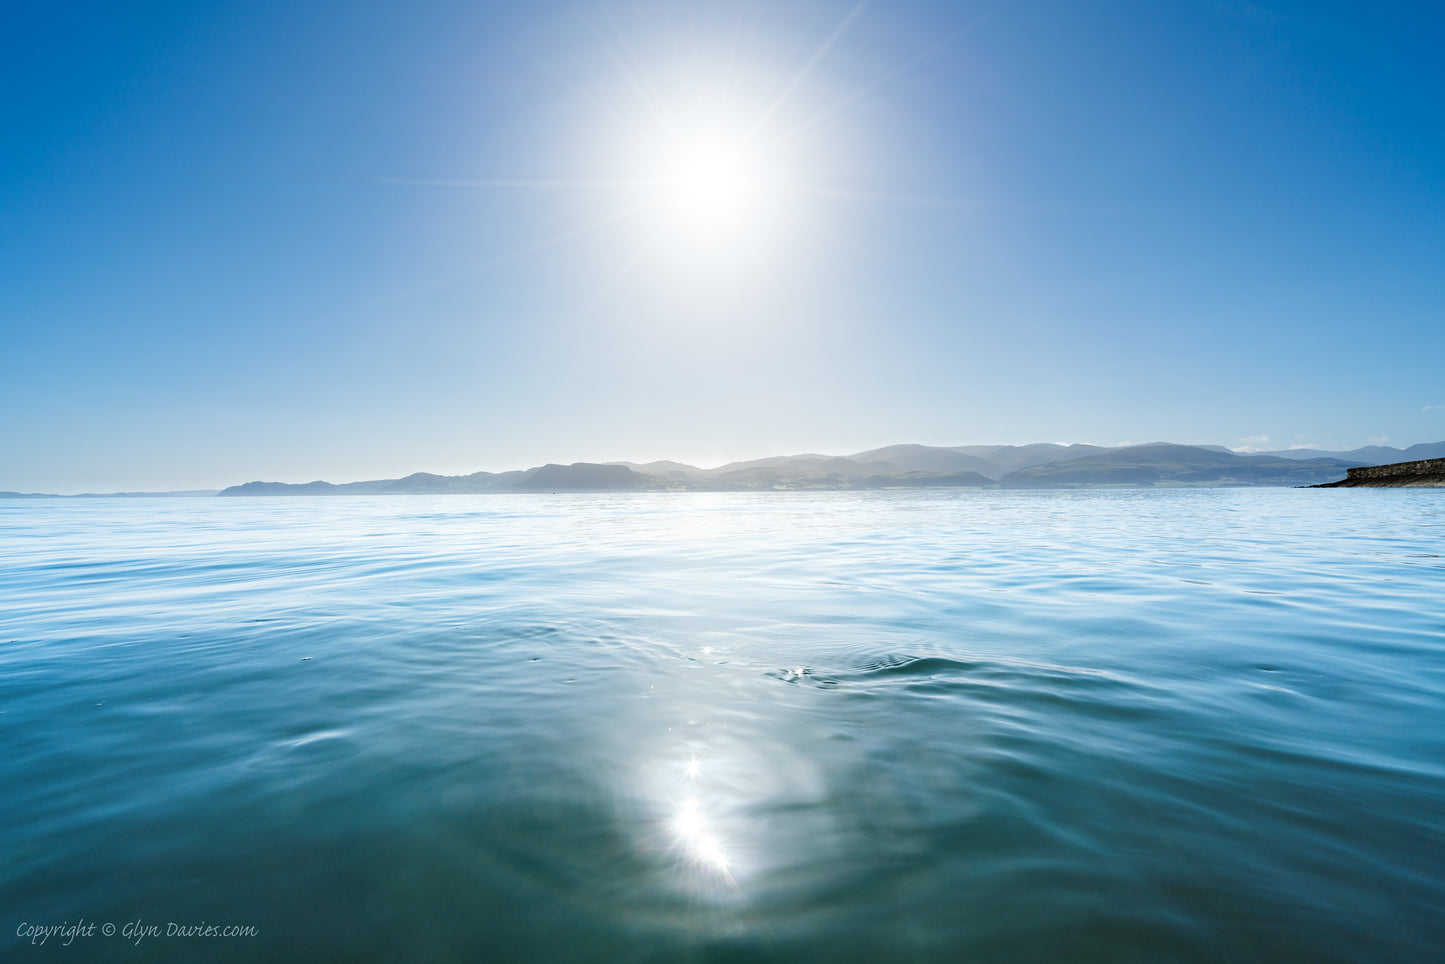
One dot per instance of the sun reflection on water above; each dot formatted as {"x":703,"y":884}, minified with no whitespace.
{"x":700,"y":845}
{"x":728,"y":810}
{"x":692,"y":830}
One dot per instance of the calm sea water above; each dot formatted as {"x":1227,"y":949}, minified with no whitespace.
{"x":1106,"y":725}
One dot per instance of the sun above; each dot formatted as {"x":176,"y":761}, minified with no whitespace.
{"x":709,"y":184}
{"x":705,"y":186}
{"x":701,"y":162}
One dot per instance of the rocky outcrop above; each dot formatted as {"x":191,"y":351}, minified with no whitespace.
{"x":1421,"y":473}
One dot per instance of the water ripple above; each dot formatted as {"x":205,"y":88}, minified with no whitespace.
{"x":997,"y":725}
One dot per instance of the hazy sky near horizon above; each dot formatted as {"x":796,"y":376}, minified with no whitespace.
{"x":355,"y":240}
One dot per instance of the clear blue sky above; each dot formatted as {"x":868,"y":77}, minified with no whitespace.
{"x":354,"y":240}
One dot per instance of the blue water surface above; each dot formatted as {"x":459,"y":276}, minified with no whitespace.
{"x":1096,"y":725}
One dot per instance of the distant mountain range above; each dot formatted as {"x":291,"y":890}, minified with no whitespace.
{"x":1039,"y":466}
{"x":1370,"y":454}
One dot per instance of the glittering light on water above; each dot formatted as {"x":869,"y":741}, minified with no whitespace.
{"x":691,"y":828}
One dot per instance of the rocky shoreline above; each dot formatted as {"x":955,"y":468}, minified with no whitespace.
{"x":1424,"y":473}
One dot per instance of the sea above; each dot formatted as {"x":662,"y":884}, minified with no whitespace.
{"x":1092,"y":725}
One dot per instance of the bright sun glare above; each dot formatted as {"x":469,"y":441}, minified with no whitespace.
{"x":708,"y":161}
{"x":707,"y":187}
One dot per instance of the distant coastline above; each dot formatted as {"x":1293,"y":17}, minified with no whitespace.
{"x":1037,"y":466}
{"x":183,"y":494}
{"x":1041,"y":466}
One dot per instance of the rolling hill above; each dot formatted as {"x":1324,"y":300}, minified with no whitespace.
{"x":1038,"y":466}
